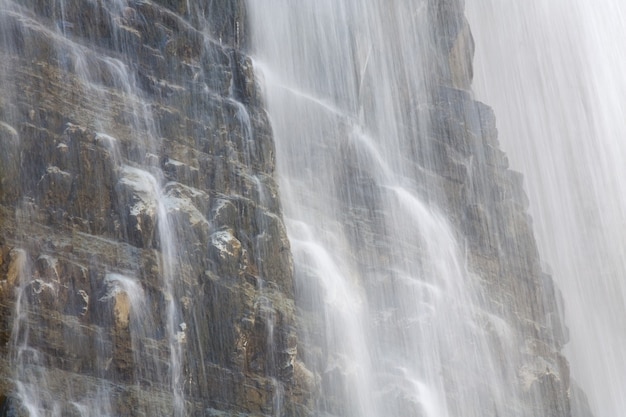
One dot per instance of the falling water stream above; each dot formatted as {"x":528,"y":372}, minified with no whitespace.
{"x":554,"y":73}
{"x":403,"y":328}
{"x":394,"y":318}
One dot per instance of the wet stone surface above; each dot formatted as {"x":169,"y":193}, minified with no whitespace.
{"x":143,"y":254}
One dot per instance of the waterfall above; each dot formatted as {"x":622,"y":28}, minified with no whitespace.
{"x":407,"y":326}
{"x":553,"y":72}
{"x":277,"y":208}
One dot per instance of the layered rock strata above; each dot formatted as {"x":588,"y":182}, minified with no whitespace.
{"x":144,"y":266}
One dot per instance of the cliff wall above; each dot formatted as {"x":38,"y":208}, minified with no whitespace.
{"x":144,"y":265}
{"x":143,"y":258}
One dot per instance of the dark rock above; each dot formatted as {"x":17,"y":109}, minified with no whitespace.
{"x":137,"y":147}
{"x":9,"y":407}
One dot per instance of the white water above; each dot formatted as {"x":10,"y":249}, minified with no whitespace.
{"x":554,"y":73}
{"x":402,"y":327}
{"x":152,"y":201}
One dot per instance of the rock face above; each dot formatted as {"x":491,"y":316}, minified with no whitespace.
{"x":144,"y":264}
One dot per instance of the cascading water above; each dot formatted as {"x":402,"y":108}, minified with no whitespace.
{"x":404,"y":326}
{"x":144,"y":264}
{"x":554,"y":73}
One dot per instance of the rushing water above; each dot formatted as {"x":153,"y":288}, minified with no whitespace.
{"x":554,"y":73}
{"x":403,"y":325}
{"x":394,"y":319}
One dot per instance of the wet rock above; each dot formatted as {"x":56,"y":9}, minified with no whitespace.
{"x":9,"y":162}
{"x":121,"y":310}
{"x":137,"y":193}
{"x":226,"y":251}
{"x":178,"y":171}
{"x":17,"y":263}
{"x":224,"y":214}
{"x":10,"y":407}
{"x":56,"y":185}
{"x":185,"y":207}
{"x":274,"y":247}
{"x":461,"y":57}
